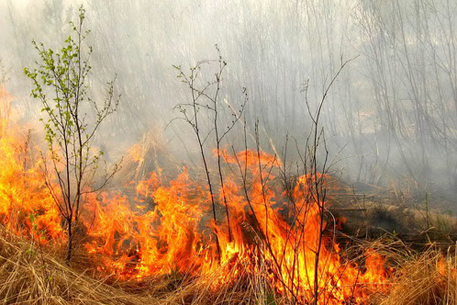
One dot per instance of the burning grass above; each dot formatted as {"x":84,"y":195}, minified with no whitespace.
{"x":154,"y":241}
{"x":428,"y":278}
{"x":34,"y":274}
{"x":158,"y":235}
{"x":30,"y":274}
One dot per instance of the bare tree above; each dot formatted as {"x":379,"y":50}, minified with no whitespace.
{"x":207,"y":97}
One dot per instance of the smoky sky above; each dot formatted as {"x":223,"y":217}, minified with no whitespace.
{"x":391,"y":115}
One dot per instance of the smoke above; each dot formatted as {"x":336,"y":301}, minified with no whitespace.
{"x":390,"y":117}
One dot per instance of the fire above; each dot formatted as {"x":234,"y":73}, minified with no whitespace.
{"x":26,"y":206}
{"x":171,"y":229}
{"x":156,"y":227}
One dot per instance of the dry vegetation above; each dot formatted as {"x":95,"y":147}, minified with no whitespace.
{"x":426,"y":278}
{"x":35,"y":272}
{"x":32,"y":274}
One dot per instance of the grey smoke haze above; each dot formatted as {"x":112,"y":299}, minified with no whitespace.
{"x":391,"y":115}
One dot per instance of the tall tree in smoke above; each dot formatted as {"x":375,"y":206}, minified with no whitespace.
{"x":61,"y":84}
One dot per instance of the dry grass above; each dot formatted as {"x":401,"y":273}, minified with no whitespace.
{"x":428,"y":278}
{"x":244,"y":288}
{"x":31,"y":276}
{"x":147,"y":155}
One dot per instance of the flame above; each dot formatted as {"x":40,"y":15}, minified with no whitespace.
{"x":171,"y":229}
{"x":156,"y":227}
{"x":26,"y":206}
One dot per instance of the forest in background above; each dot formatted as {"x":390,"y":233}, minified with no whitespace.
{"x":390,"y":118}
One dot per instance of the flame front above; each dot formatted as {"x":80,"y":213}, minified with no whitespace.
{"x":170,"y":229}
{"x":167,"y":227}
{"x":26,"y":206}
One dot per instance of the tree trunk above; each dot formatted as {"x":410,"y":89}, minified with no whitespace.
{"x":70,"y":242}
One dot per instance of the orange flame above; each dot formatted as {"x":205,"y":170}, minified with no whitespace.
{"x":171,"y":229}
{"x":167,"y":227}
{"x":26,"y":206}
